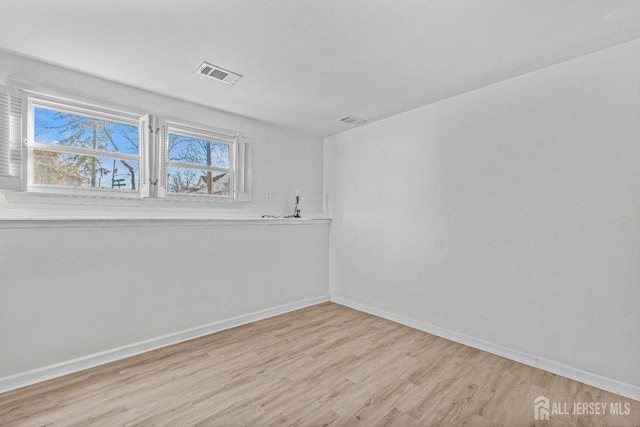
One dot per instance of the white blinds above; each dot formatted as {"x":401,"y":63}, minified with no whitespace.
{"x":10,"y":137}
{"x":243,"y":170}
{"x":161,"y":160}
{"x":144,"y":136}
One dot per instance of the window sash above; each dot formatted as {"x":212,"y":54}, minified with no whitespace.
{"x":202,"y":137}
{"x":90,"y":111}
{"x":76,"y":188}
{"x":93,"y":113}
{"x":215,"y":137}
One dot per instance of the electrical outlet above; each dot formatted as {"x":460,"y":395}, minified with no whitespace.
{"x":267,"y":196}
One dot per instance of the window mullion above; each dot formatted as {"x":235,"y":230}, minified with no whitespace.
{"x":83,"y":151}
{"x":197,"y":166}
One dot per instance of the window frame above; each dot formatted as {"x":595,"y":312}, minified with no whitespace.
{"x":34,"y":101}
{"x":215,"y":135}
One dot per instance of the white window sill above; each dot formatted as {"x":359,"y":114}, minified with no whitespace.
{"x":148,"y":221}
{"x":28,"y":210}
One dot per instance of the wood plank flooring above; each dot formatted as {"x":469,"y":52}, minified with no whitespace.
{"x":322,"y":365}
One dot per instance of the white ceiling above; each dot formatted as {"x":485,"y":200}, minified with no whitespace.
{"x":306,"y":63}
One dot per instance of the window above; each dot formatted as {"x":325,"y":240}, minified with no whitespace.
{"x":199,"y":162}
{"x":80,"y":148}
{"x":75,"y":148}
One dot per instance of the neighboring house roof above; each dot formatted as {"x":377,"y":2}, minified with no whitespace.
{"x":220,"y":185}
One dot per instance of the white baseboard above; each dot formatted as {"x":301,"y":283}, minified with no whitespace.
{"x":595,"y":380}
{"x":59,"y":369}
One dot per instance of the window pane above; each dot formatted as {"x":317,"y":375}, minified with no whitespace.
{"x":72,"y":130}
{"x":73,"y":170}
{"x":193,"y":181}
{"x":198,"y":151}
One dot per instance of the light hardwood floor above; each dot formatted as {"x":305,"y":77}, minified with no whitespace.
{"x":322,"y":365}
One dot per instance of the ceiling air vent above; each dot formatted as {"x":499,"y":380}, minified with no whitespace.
{"x":352,"y":120}
{"x":218,"y":73}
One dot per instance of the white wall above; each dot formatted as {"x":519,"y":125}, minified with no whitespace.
{"x":508,"y":217}
{"x":72,"y":292}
